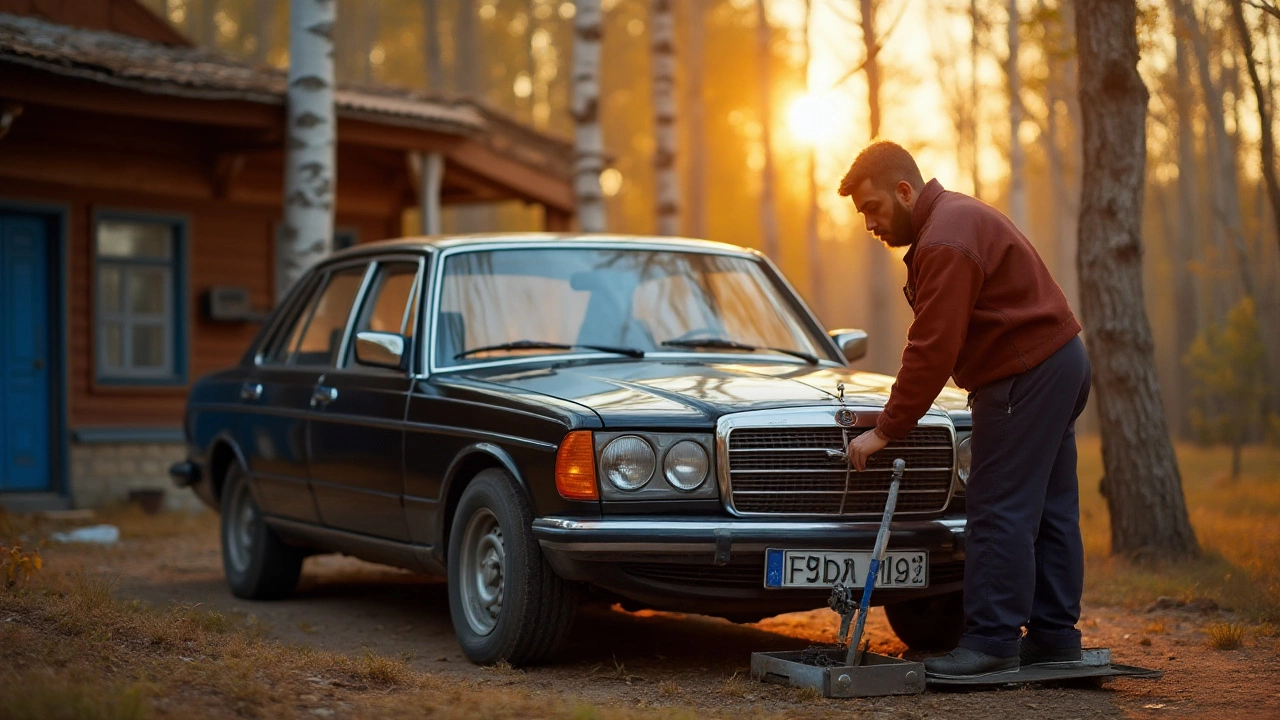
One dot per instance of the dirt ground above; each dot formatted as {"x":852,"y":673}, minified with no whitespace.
{"x":666,"y":660}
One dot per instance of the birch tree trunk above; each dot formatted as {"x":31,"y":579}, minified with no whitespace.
{"x":587,"y":139}
{"x":307,"y":231}
{"x":1017,"y":156}
{"x":697,"y":131}
{"x":764,"y":57}
{"x":1264,"y":111}
{"x":663,"y":59}
{"x":431,"y":47}
{"x":1142,"y":483}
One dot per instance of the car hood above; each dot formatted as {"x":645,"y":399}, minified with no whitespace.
{"x":684,"y":394}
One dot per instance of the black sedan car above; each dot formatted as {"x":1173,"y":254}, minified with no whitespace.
{"x":655,"y":421}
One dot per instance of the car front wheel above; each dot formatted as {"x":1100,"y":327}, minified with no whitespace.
{"x":505,"y":601}
{"x":929,"y":623}
{"x":257,"y":563}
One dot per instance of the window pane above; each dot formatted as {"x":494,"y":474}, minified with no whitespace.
{"x":148,"y":346}
{"x":112,"y":345}
{"x":146,"y":290}
{"x":108,"y":289}
{"x":323,"y":334}
{"x":389,"y":299}
{"x":135,"y":239}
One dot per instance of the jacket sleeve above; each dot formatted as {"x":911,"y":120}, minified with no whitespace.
{"x":947,"y":283}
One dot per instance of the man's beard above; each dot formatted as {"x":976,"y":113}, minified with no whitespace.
{"x":901,"y":233}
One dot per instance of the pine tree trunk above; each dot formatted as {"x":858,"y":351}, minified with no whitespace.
{"x":587,"y":137}
{"x":1185,"y":302}
{"x":1144,"y":489}
{"x":764,"y":56}
{"x":1264,"y":112}
{"x":812,"y":241}
{"x":1018,"y":211}
{"x":1226,"y":193}
{"x":663,"y":59}
{"x":307,"y":230}
{"x":696,"y":110}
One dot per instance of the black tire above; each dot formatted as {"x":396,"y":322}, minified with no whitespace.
{"x":535,"y":607}
{"x":257,"y":563}
{"x":929,"y":623}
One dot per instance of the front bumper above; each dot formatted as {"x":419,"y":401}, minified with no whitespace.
{"x":716,"y":566}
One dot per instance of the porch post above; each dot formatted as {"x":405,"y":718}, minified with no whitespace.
{"x":432,"y":169}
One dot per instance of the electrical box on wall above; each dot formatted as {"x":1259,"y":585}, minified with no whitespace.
{"x":230,"y":303}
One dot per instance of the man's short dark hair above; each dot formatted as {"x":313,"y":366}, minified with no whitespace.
{"x":886,"y":164}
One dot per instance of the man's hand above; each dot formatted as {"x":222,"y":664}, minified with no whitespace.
{"x":863,"y":447}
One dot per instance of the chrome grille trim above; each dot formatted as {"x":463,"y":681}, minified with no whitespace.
{"x":761,"y":474}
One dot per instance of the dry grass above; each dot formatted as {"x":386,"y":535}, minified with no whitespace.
{"x":1234,"y":521}
{"x":1224,"y":636}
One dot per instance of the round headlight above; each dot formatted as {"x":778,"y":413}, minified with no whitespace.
{"x":964,"y":458}
{"x":685,"y":466}
{"x":628,"y":462}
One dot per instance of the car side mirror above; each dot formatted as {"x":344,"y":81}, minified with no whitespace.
{"x":381,"y":349}
{"x":852,"y":343}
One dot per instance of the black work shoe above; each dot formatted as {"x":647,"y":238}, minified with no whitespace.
{"x":965,"y":663}
{"x":1033,"y":653}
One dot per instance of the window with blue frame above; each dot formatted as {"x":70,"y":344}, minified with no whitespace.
{"x":138,"y":313}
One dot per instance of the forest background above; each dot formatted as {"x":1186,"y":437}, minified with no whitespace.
{"x":769,"y":115}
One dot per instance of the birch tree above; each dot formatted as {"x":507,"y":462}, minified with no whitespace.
{"x":663,"y":59}
{"x":588,"y":142}
{"x":764,"y":57}
{"x":1142,"y":484}
{"x":311,"y":134}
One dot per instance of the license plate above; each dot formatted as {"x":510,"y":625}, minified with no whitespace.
{"x":825,"y":568}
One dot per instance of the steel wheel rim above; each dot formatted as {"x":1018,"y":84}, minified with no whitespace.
{"x":241,"y":526}
{"x":483,"y":571}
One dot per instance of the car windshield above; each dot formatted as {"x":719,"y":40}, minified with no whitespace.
{"x":508,"y":303}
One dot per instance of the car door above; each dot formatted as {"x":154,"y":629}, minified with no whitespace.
{"x":357,"y":437}
{"x":279,"y":394}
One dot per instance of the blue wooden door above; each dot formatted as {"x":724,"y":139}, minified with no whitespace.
{"x":24,"y":354}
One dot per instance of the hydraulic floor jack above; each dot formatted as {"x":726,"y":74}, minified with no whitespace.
{"x":847,"y":669}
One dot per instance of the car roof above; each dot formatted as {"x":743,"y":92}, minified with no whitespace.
{"x":482,"y":240}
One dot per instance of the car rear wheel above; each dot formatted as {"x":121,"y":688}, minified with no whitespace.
{"x":257,"y":563}
{"x":928,"y":623}
{"x":505,"y":601}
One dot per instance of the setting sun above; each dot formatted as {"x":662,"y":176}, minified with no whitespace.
{"x":815,"y":119}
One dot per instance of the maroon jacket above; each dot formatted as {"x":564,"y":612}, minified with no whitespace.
{"x":985,"y":305}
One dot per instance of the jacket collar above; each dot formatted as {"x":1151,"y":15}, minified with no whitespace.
{"x":929,"y":194}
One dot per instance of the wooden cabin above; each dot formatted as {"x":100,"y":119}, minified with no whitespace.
{"x":140,"y":196}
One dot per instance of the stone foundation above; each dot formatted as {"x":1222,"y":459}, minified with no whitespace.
{"x":103,"y":474}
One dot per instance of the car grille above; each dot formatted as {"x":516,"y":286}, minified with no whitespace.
{"x":788,"y":471}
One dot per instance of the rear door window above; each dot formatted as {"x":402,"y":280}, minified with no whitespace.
{"x":316,"y":337}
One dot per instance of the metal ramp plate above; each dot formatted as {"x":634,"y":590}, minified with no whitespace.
{"x":824,"y":670}
{"x":1094,"y":663}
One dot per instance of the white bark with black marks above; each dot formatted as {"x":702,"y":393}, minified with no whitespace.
{"x":310,"y":174}
{"x":663,"y":59}
{"x":588,"y":141}
{"x":1143,"y":485}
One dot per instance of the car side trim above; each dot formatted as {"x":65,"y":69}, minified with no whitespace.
{"x":388,"y":552}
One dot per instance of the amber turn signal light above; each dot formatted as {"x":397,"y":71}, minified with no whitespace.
{"x":576,"y":467}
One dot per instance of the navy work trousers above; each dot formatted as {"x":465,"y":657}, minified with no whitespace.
{"x":1024,"y":559}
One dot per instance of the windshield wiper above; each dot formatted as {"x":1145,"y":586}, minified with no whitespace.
{"x":723,"y":343}
{"x":541,"y":345}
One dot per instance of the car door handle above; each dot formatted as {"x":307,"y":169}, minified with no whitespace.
{"x":323,"y":396}
{"x":250,"y":391}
